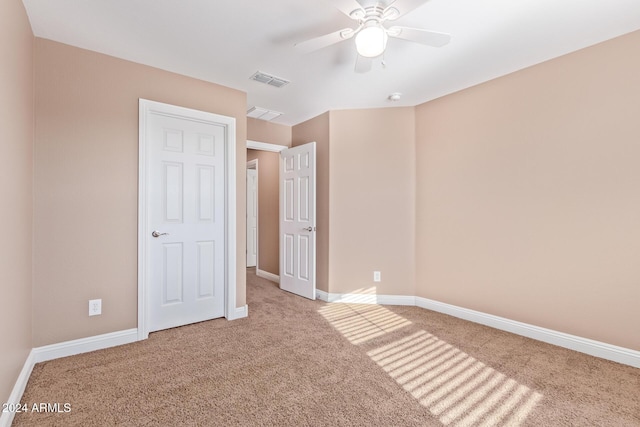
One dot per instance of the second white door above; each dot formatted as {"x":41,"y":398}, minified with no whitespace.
{"x":298,"y":220}
{"x":252,"y":218}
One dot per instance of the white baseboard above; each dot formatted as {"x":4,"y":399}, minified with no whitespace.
{"x":366,"y":298}
{"x":322,"y":295}
{"x":238,"y":313}
{"x":583,"y":345}
{"x":84,"y":345}
{"x":63,"y":349}
{"x":70,"y":348}
{"x":267,"y":275}
{"x":6,"y":418}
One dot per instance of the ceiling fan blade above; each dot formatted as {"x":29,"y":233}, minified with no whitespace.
{"x":347,"y":6}
{"x":403,"y":7}
{"x":317,"y":43}
{"x":363,"y":64}
{"x":427,"y":37}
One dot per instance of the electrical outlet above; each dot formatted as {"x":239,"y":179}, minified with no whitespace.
{"x":376,"y":276}
{"x":95,"y":307}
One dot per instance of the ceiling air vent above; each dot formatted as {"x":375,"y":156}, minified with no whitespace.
{"x":265,"y":78}
{"x":262,"y":113}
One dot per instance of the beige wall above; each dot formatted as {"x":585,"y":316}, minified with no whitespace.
{"x":86,"y":180}
{"x":268,"y":210}
{"x":16,"y":194}
{"x":317,"y":129}
{"x":365,"y":199}
{"x":264,"y":131}
{"x":372,"y":201}
{"x":528,"y":195}
{"x":520,"y":196}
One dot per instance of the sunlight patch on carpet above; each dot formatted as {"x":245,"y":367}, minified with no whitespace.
{"x":455,"y":387}
{"x":370,"y":321}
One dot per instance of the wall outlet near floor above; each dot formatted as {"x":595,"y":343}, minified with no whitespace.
{"x":376,"y":276}
{"x":95,"y":307}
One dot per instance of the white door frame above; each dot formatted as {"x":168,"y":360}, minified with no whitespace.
{"x":253,"y":164}
{"x":265,"y":146}
{"x":145,"y":108}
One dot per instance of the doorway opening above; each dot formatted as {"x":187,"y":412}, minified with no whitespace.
{"x":266,"y":158}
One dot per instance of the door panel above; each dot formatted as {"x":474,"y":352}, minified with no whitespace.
{"x":172,"y":284}
{"x":288,"y":200}
{"x":298,"y":220}
{"x":172,"y":191}
{"x":206,"y":269}
{"x":206,"y":193}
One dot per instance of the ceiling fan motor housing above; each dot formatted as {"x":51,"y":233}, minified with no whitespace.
{"x":371,"y":38}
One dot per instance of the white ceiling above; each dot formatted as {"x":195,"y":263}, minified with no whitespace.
{"x":227,"y":41}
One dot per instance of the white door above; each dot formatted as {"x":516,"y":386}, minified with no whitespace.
{"x":186,"y":219}
{"x":252,"y":217}
{"x":298,"y":220}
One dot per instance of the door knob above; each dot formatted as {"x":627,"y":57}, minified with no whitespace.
{"x":156,"y":233}
{"x":309,"y":229}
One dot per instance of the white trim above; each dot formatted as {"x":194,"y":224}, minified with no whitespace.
{"x":144,"y":108}
{"x":366,"y":298}
{"x":583,"y":345}
{"x":143,"y":229}
{"x":265,"y":146}
{"x":267,"y":275}
{"x":6,"y":418}
{"x":239,"y":313}
{"x":322,"y":295}
{"x":231,"y":220}
{"x":63,"y":349}
{"x":84,"y":345}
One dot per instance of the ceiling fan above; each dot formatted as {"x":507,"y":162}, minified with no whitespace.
{"x":370,"y":34}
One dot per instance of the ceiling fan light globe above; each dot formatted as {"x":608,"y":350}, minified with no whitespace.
{"x":371,"y":41}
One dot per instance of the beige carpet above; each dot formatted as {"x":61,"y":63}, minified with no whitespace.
{"x":307,"y":363}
